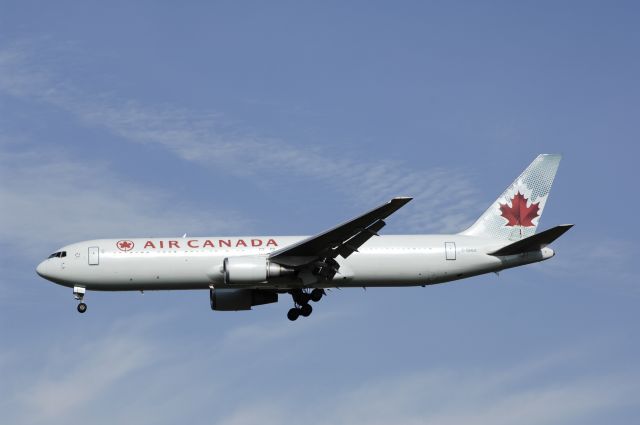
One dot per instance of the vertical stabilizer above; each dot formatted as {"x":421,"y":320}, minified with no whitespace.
{"x":515,"y":214}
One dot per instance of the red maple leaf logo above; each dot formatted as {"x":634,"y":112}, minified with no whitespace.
{"x":518,"y":214}
{"x":124,"y":245}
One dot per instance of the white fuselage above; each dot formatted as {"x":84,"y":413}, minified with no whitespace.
{"x":195,"y":262}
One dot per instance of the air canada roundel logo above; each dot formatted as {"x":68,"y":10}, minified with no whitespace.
{"x":125,"y":245}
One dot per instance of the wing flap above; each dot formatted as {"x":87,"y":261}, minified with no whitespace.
{"x":343,"y":240}
{"x":352,"y":245}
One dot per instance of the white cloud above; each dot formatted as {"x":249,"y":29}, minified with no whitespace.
{"x":443,"y":197}
{"x":575,"y":261}
{"x":138,"y":372}
{"x":257,"y":335}
{"x":264,"y":413}
{"x":49,"y":197}
{"x":74,"y":373}
{"x":85,"y":377}
{"x":454,"y":398}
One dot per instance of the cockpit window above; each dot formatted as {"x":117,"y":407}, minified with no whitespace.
{"x":58,"y":254}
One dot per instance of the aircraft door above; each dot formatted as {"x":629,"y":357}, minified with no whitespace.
{"x":94,"y":255}
{"x":450,"y":250}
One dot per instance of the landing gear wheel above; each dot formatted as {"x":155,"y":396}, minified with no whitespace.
{"x":82,"y":307}
{"x":316,"y":295}
{"x":293,"y":314}
{"x":306,"y":310}
{"x":300,"y":298}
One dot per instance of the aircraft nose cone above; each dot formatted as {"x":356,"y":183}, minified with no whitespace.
{"x":41,"y":270}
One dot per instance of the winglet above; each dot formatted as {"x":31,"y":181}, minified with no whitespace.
{"x":396,"y":203}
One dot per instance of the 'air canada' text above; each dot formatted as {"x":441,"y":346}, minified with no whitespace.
{"x":210,"y":243}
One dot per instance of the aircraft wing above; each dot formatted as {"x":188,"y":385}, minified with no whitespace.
{"x":342,"y":240}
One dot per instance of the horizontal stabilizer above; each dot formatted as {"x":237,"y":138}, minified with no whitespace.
{"x":535,"y":242}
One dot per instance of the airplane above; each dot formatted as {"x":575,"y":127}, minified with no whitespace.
{"x":247,"y":271}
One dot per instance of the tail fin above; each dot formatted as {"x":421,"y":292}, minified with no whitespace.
{"x":515,"y":214}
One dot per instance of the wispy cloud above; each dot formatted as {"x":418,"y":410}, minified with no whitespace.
{"x":457,"y":398}
{"x":58,"y":386}
{"x":50,"y":197}
{"x":257,"y":335}
{"x":603,"y":259}
{"x":138,"y":372}
{"x":443,"y":197}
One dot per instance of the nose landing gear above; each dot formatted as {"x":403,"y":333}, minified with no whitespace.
{"x":78,"y":294}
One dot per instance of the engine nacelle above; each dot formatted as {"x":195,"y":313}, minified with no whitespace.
{"x":251,"y":269}
{"x":240,"y":299}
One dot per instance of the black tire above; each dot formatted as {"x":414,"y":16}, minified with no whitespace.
{"x":316,"y":295}
{"x":293,"y":314}
{"x":301,"y":298}
{"x":306,"y":310}
{"x":82,"y":307}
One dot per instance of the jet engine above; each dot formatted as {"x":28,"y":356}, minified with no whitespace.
{"x":251,"y":269}
{"x":240,"y":299}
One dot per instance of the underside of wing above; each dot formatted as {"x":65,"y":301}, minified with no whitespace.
{"x":342,"y":240}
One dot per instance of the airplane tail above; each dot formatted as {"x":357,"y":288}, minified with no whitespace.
{"x":516,"y":213}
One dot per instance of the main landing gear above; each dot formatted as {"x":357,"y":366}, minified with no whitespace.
{"x":301,"y":298}
{"x":78,"y":294}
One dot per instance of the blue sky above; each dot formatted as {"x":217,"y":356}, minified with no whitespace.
{"x":121,"y":119}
